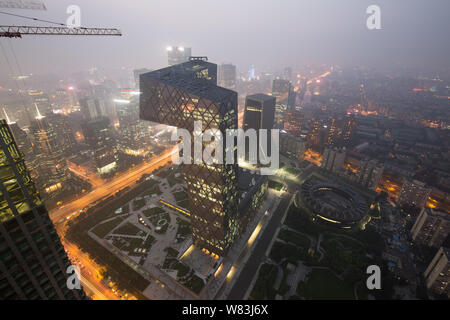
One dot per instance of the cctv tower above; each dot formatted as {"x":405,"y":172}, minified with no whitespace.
{"x":178,"y":96}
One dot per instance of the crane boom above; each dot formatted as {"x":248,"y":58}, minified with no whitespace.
{"x":19,"y":31}
{"x":23,"y":4}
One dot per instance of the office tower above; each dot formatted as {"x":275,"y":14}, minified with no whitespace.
{"x":315,"y":127}
{"x":227,"y":76}
{"x":348,"y":129}
{"x":51,"y":164}
{"x":437,"y":274}
{"x":292,"y":146}
{"x":333,"y":159}
{"x":63,"y":131}
{"x":92,"y":108}
{"x":177,"y":55}
{"x":100,"y":137}
{"x":431,"y":227}
{"x":282,"y":91}
{"x":293,"y":122}
{"x":33,"y":262}
{"x":41,"y":101}
{"x":369,"y":173}
{"x":259,"y":113}
{"x":414,"y":193}
{"x":134,"y":133}
{"x":178,"y":96}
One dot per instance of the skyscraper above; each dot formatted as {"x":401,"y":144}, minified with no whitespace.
{"x":259,"y":114}
{"x":100,"y":137}
{"x":178,"y":96}
{"x":51,"y":164}
{"x":33,"y":262}
{"x":282,"y":91}
{"x":227,"y":76}
{"x":177,"y":55}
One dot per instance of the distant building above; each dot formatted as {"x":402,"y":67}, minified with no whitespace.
{"x":259,"y":114}
{"x":41,"y":101}
{"x":227,"y":76}
{"x":292,"y":146}
{"x":333,"y":159}
{"x":349,"y":128}
{"x":137,"y":73}
{"x":282,"y":91}
{"x":369,"y":173}
{"x":431,"y":227}
{"x":177,"y":55}
{"x":437,"y":274}
{"x":334,"y":131}
{"x":49,"y":155}
{"x":92,"y":108}
{"x":33,"y":262}
{"x":100,"y":137}
{"x":293,"y":122}
{"x":314,"y":135}
{"x":414,"y":193}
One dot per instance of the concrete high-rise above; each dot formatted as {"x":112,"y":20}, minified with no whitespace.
{"x":431,"y":227}
{"x":437,"y":274}
{"x":33,"y":263}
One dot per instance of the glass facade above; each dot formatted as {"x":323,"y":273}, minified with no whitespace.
{"x":178,"y":96}
{"x":33,"y":262}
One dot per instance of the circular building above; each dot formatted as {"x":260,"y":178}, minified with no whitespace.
{"x":332,"y":204}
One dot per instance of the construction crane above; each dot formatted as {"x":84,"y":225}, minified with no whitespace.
{"x":19,"y":31}
{"x":60,"y":30}
{"x":23,"y":4}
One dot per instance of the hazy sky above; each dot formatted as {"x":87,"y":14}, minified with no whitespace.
{"x":275,"y":33}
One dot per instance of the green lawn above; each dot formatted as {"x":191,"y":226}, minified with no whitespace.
{"x":138,"y":204}
{"x":263,"y":288}
{"x":323,"y":284}
{"x":275,"y":185}
{"x":128,"y":229}
{"x":103,"y":229}
{"x":294,"y":238}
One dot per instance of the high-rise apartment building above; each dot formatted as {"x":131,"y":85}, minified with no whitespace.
{"x":333,"y":159}
{"x":431,"y":227}
{"x":178,"y":96}
{"x":437,"y":274}
{"x":369,"y":173}
{"x":33,"y":263}
{"x":414,"y":193}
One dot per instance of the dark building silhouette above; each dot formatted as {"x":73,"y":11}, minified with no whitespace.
{"x":33,"y":263}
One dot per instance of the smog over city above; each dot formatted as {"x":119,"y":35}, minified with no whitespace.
{"x":221,"y":156}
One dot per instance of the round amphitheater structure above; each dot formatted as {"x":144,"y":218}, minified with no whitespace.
{"x":332,"y":204}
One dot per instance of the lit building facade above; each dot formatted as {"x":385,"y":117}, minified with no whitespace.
{"x":178,"y":96}
{"x":437,"y":274}
{"x":293,"y":122}
{"x":431,"y":227}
